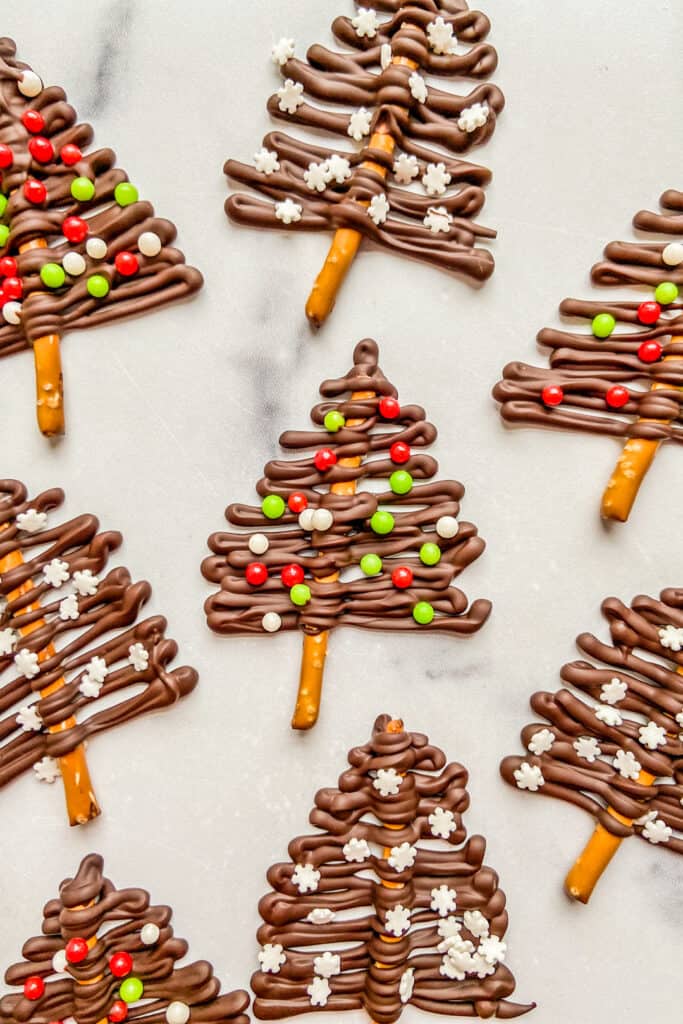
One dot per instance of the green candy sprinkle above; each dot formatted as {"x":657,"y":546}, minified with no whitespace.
{"x":430,"y":554}
{"x":666,"y":293}
{"x":423,"y":613}
{"x":401,"y":482}
{"x":82,"y":189}
{"x":98,"y":286}
{"x":371,"y":565}
{"x":382,"y":522}
{"x":273,"y":506}
{"x":52,"y":275}
{"x":125,"y":193}
{"x":300,"y":594}
{"x":3,"y":204}
{"x":334,"y":421}
{"x":4,"y":234}
{"x":131,"y":990}
{"x":603,"y":325}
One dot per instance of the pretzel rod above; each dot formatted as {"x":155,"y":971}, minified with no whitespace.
{"x":307,"y":706}
{"x":632,"y":465}
{"x":81,"y":802}
{"x":48,"y":364}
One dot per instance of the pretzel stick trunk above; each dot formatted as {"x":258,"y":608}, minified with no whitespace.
{"x":48,"y":364}
{"x":346,"y":241}
{"x":598,"y":852}
{"x":629,"y":473}
{"x":307,"y":706}
{"x":81,"y":802}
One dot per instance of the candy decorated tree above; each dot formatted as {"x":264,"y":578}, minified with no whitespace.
{"x":77,"y":246}
{"x":389,"y":903}
{"x":71,"y":639}
{"x":611,"y":742}
{"x":623,"y":376}
{"x":106,"y":955}
{"x":357,"y":531}
{"x":403,"y":186}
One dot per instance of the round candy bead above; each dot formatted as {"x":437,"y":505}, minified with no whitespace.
{"x":334,"y":421}
{"x":291,"y":575}
{"x":131,"y":990}
{"x":34,"y":987}
{"x":3,"y":204}
{"x":447,"y":527}
{"x":256,"y":573}
{"x":382,"y":522}
{"x":12,"y":287}
{"x":118,"y":1011}
{"x":258,"y":544}
{"x":271,"y":622}
{"x":149,"y":244}
{"x":30,"y":84}
{"x":52,"y":275}
{"x":603,"y":325}
{"x":41,"y":149}
{"x":399,"y":452}
{"x":121,"y":964}
{"x":70,"y":154}
{"x":74,"y":264}
{"x":389,"y":408}
{"x":423,"y":613}
{"x":430,"y":554}
{"x":306,"y":519}
{"x":401,"y":482}
{"x":97,"y":286}
{"x":149,"y":934}
{"x":177,"y":1012}
{"x":126,"y":263}
{"x":8,"y":266}
{"x":6,"y":157}
{"x":672,"y":254}
{"x":297,"y":502}
{"x":402,"y":577}
{"x":3,"y":299}
{"x":617,"y":396}
{"x":96,"y":248}
{"x":82,"y":189}
{"x":75,"y":229}
{"x":300,"y":594}
{"x":33,"y":121}
{"x":34,"y":191}
{"x":12,"y":312}
{"x":371,"y":565}
{"x":666,"y":293}
{"x":59,"y":961}
{"x":322,"y":519}
{"x":649,"y":352}
{"x":76,"y":950}
{"x":648,"y":312}
{"x":4,"y":235}
{"x":552,"y":395}
{"x":324,"y":459}
{"x":273,"y":506}
{"x":125,"y":193}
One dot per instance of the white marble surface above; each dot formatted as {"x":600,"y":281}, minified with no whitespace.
{"x":173,"y":415}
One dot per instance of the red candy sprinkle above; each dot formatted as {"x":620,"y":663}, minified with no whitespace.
{"x":297,"y":502}
{"x":650,"y":352}
{"x":8,"y":266}
{"x":256,"y":573}
{"x":617,"y":396}
{"x":126,"y":263}
{"x":75,"y":229}
{"x":291,"y":575}
{"x":76,"y":950}
{"x":399,"y":452}
{"x":648,"y":312}
{"x":6,"y":157}
{"x":70,"y":154}
{"x":118,"y":1011}
{"x":35,"y":191}
{"x":3,"y":298}
{"x":41,"y":149}
{"x":389,"y":408}
{"x":33,"y":121}
{"x":121,"y":964}
{"x":324,"y":459}
{"x":13,"y":288}
{"x":552,"y":394}
{"x":34,"y":987}
{"x":402,"y":577}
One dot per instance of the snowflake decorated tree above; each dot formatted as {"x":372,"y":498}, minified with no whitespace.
{"x":75,"y":656}
{"x":77,"y":246}
{"x":389,"y":903}
{"x":623,"y":377}
{"x":356,"y":531}
{"x":611,"y":741}
{"x":106,"y":954}
{"x":403,"y":186}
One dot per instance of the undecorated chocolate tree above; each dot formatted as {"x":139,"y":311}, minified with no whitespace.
{"x":388,"y":903}
{"x":107,"y":955}
{"x":623,"y":376}
{"x":403,"y":185}
{"x":77,"y":246}
{"x":357,"y":530}
{"x":611,"y":741}
{"x":71,"y":640}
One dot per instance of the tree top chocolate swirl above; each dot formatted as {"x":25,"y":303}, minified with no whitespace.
{"x":389,"y":903}
{"x":356,"y":530}
{"x":103,"y":949}
{"x":416,"y":197}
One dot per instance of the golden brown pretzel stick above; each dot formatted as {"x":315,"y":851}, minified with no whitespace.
{"x":307,"y":706}
{"x":48,"y":363}
{"x":629,"y":473}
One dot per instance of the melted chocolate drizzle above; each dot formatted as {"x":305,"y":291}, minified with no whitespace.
{"x":88,"y":905}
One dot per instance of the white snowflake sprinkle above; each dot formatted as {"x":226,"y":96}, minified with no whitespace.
{"x":481,"y":966}
{"x":449,"y":930}
{"x":541,"y":742}
{"x":282,"y":51}
{"x":387,"y":782}
{"x":359,"y":124}
{"x":338,"y":168}
{"x":97,"y":669}
{"x":442,"y":822}
{"x":652,"y":735}
{"x":366,"y":23}
{"x":305,"y":878}
{"x":8,"y":638}
{"x":327,"y":965}
{"x":68,"y":608}
{"x":492,"y":949}
{"x":385,"y":56}
{"x":319,"y":991}
{"x":356,"y":850}
{"x":608,"y":715}
{"x":627,"y":764}
{"x":56,"y":573}
{"x":438,"y":219}
{"x":441,"y":37}
{"x":397,"y":920}
{"x":406,"y":168}
{"x":475,"y":923}
{"x":138,"y":657}
{"x":32,"y":521}
{"x":317,"y":177}
{"x":456,"y":964}
{"x":435,"y":179}
{"x":529,"y":776}
{"x":290,"y":96}
{"x":85,"y":582}
{"x":271,"y":958}
{"x":266,"y":161}
{"x":613,"y":691}
{"x":443,"y":900}
{"x":26,"y":663}
{"x":406,"y":985}
{"x":671,"y":637}
{"x":657,"y":831}
{"x":321,"y":915}
{"x":587,"y":748}
{"x":29,"y":719}
{"x":473,"y":117}
{"x":288,"y":211}
{"x":418,"y":87}
{"x":402,"y":857}
{"x":47,"y":770}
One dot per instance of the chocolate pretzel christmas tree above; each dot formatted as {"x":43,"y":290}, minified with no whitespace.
{"x":323,"y":551}
{"x":70,"y":635}
{"x":106,"y":954}
{"x":389,"y":904}
{"x":625,"y":382}
{"x":404,"y":186}
{"x":612,"y":741}
{"x":77,"y":247}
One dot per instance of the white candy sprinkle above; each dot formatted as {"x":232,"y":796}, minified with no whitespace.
{"x":447,"y":527}
{"x":177,"y":1013}
{"x":672,"y":254}
{"x":74,"y":264}
{"x":149,"y":243}
{"x":12,"y":312}
{"x":149,"y":934}
{"x":96,"y":248}
{"x":271,"y":622}
{"x":306,"y":519}
{"x":322,"y":519}
{"x":258,"y":544}
{"x":30,"y":84}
